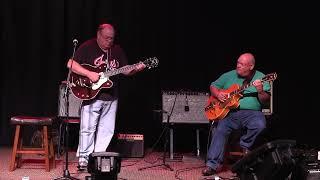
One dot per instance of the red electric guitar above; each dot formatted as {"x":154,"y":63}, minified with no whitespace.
{"x":84,"y":89}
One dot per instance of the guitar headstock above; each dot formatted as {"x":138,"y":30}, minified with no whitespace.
{"x":270,"y":77}
{"x":151,"y":62}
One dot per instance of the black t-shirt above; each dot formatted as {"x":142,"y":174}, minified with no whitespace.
{"x":90,"y":53}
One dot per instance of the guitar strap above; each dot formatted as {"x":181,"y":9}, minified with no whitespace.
{"x":248,"y":80}
{"x":107,"y":54}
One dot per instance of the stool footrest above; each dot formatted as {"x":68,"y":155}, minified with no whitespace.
{"x":236,"y":153}
{"x":31,"y":151}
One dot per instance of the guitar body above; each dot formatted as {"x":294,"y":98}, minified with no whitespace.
{"x":83,"y":88}
{"x":216,"y":110}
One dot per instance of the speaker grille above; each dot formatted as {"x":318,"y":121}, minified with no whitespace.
{"x":74,"y":103}
{"x":184,"y":106}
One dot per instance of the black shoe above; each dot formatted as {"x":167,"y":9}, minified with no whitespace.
{"x":245,"y":151}
{"x":208,"y":171}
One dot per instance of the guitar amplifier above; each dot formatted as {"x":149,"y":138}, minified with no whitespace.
{"x":268,"y":110}
{"x":74,"y":103}
{"x":184,"y":107}
{"x":130,"y":145}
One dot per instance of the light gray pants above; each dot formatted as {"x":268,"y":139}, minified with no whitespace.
{"x":96,"y":127}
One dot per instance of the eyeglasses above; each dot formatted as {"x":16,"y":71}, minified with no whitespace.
{"x":109,"y":38}
{"x":243,"y":64}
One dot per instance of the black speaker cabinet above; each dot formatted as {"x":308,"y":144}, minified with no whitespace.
{"x":307,"y":171}
{"x":74,"y":103}
{"x":184,"y":107}
{"x":308,"y":167}
{"x":271,"y":161}
{"x":130,"y":145}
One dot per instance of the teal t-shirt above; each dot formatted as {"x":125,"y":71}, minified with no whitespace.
{"x":250,"y":95}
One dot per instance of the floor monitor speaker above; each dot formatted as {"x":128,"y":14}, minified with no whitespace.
{"x":271,"y":161}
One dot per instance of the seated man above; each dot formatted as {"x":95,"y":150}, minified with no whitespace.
{"x":244,"y":110}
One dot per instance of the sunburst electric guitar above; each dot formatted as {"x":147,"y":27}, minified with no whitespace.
{"x":84,"y":89}
{"x":216,"y":110}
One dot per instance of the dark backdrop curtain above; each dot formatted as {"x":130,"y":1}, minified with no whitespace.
{"x":194,"y":41}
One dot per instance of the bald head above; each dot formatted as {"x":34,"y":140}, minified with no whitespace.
{"x":245,"y":64}
{"x":105,"y":36}
{"x":247,"y":58}
{"x":105,"y":26}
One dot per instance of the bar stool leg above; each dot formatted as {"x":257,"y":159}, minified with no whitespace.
{"x":53,"y":158}
{"x":20,"y":146}
{"x":14,"y":151}
{"x":46,"y":147}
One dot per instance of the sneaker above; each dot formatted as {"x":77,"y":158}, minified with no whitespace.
{"x":208,"y":171}
{"x":82,"y":165}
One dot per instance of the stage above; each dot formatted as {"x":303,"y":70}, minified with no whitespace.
{"x":187,"y":166}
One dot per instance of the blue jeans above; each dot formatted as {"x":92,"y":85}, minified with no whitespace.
{"x":253,"y":121}
{"x":96,"y":128}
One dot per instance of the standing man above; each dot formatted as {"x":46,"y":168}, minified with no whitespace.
{"x":98,"y":115}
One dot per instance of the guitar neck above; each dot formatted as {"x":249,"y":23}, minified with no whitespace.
{"x":121,"y":70}
{"x":242,"y":88}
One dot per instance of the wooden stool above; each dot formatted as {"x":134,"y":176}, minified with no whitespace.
{"x":233,"y":150}
{"x":18,"y":149}
{"x":62,"y":131}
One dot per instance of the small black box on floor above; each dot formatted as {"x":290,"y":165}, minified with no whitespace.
{"x":271,"y":161}
{"x":104,"y":165}
{"x":130,"y":145}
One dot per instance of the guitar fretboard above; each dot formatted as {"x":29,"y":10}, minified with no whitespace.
{"x":242,"y":88}
{"x":120,"y":70}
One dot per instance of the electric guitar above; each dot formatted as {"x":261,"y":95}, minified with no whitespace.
{"x":216,"y":110}
{"x":84,"y":89}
